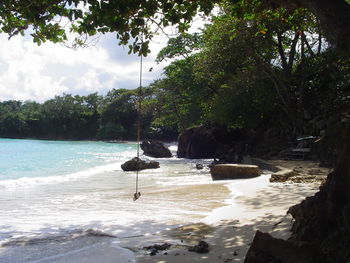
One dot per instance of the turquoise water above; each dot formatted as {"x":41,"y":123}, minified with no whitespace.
{"x":35,"y":158}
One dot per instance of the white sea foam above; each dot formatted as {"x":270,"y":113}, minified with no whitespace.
{"x":26,"y":182}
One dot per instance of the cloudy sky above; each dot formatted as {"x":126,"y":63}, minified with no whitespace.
{"x":31,"y":72}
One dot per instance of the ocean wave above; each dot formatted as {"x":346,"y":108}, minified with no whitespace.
{"x":25,"y":182}
{"x":184,"y":180}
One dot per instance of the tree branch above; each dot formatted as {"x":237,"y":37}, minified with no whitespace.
{"x":281,"y":51}
{"x":292,"y":52}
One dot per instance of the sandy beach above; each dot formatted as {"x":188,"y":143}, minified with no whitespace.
{"x":229,"y":230}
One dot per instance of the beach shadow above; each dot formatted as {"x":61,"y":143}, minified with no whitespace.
{"x":74,"y":238}
{"x":228,"y":241}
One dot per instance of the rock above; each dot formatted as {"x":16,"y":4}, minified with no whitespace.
{"x":197,"y":143}
{"x":207,"y":141}
{"x":202,"y":247}
{"x":154,"y":249}
{"x":324,"y":217}
{"x":136,"y":164}
{"x":265,"y":249}
{"x":199,"y":166}
{"x":156,"y":149}
{"x":234,"y":171}
{"x":282,"y":176}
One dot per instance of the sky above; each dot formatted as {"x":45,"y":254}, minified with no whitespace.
{"x":38,"y":73}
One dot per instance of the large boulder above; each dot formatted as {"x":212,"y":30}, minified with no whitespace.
{"x":207,"y":141}
{"x":196,"y":143}
{"x":234,"y":171}
{"x":136,"y":164}
{"x":156,"y":149}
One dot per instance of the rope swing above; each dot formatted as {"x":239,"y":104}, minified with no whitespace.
{"x":137,"y":194}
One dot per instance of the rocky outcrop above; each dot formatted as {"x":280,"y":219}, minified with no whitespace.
{"x":196,"y":143}
{"x":234,"y":171}
{"x":136,"y":164}
{"x":321,"y":221}
{"x":324,"y":217}
{"x":156,"y":149}
{"x":208,"y":141}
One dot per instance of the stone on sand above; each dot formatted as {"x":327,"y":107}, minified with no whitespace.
{"x":234,"y":171}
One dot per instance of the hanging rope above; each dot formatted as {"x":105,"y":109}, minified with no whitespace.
{"x":137,"y":194}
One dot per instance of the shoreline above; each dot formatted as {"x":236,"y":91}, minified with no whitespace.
{"x":253,"y":204}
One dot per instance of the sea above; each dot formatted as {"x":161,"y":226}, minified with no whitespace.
{"x":59,"y":198}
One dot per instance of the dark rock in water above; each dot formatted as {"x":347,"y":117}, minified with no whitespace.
{"x":199,"y":166}
{"x":202,"y":247}
{"x":266,"y":248}
{"x":136,"y":164}
{"x":154,"y":249}
{"x":156,"y":149}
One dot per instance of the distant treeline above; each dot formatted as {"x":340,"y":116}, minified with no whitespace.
{"x":109,"y":117}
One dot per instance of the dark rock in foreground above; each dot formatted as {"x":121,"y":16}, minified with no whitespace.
{"x":156,"y":149}
{"x":136,"y":164}
{"x":265,"y":249}
{"x":154,"y":249}
{"x":199,"y":166}
{"x":202,"y":247}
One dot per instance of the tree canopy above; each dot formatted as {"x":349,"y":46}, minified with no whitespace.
{"x":53,"y":20}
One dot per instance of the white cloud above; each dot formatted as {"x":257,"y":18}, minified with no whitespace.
{"x":31,"y":72}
